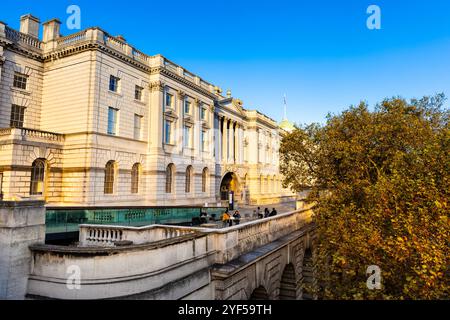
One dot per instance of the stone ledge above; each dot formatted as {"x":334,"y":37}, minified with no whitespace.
{"x":93,"y":251}
{"x":22,"y":204}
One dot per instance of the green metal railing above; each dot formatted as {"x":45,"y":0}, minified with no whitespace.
{"x":62,"y":220}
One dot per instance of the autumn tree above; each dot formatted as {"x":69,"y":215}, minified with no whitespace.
{"x":380,"y":180}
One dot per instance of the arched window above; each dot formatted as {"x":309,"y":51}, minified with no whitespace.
{"x":135,"y":171}
{"x":187,"y":187}
{"x":110,"y":173}
{"x":37,"y":177}
{"x":204,"y":179}
{"x":169,"y":178}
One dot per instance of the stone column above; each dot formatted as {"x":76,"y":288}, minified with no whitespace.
{"x":156,"y":118}
{"x":180,"y":124}
{"x":231,"y":142}
{"x":225,"y":140}
{"x":21,"y":225}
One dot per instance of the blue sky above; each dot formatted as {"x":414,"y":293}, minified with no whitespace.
{"x":320,"y":53}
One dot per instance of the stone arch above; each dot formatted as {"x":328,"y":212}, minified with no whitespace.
{"x":259,"y":293}
{"x":229,"y":182}
{"x":309,"y":281}
{"x":289,"y":284}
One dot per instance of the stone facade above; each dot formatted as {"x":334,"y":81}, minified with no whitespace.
{"x":91,"y":99}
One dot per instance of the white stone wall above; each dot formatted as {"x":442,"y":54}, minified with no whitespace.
{"x":29,"y":98}
{"x":69,"y":94}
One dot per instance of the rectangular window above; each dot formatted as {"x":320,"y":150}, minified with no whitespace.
{"x":168,"y":132}
{"x":203,"y":140}
{"x":114,"y":83}
{"x":137,"y":127}
{"x":112,"y":121}
{"x":169,"y":100}
{"x":17,"y":115}
{"x":138,"y":93}
{"x":187,"y":107}
{"x":20,"y":81}
{"x":187,"y":137}
{"x":203,"y":113}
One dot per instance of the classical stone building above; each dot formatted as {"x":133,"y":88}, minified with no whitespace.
{"x":87,"y":119}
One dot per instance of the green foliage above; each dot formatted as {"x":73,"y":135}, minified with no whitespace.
{"x":381,"y":183}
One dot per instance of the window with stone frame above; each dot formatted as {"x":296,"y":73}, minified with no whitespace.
{"x":17,"y":116}
{"x":188,"y":184}
{"x":37,"y":177}
{"x":114,"y":83}
{"x":204,"y":179}
{"x":135,"y":172}
{"x":169,"y":178}
{"x":138,"y":93}
{"x":20,"y":81}
{"x":137,"y":127}
{"x":110,"y":172}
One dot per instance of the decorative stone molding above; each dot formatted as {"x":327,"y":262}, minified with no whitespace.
{"x":156,"y":86}
{"x":181,"y":94}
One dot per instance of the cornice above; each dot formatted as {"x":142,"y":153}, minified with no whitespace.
{"x":177,"y":78}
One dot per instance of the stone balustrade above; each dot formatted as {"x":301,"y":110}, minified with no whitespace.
{"x":159,"y":255}
{"x":21,"y":38}
{"x":30,"y":135}
{"x":71,"y":39}
{"x":109,"y":236}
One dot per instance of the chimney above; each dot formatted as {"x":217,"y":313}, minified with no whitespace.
{"x":29,"y":25}
{"x":51,"y":30}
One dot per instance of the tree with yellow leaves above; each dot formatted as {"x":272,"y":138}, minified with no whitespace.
{"x":381,"y":183}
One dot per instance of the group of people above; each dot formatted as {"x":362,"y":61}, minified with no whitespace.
{"x":227,"y":218}
{"x":266,"y":213}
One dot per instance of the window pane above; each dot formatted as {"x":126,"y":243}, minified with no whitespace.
{"x":37,"y":177}
{"x":135,"y":178}
{"x":168,"y":132}
{"x":17,"y":116}
{"x":109,"y":178}
{"x":138,"y":93}
{"x":137,"y":127}
{"x":169,"y":100}
{"x":20,"y":81}
{"x":113,"y":83}
{"x":112,"y":121}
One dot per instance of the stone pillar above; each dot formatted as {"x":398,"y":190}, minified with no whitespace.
{"x":156,"y":118}
{"x":231,"y":142}
{"x":21,"y":225}
{"x":225,"y":140}
{"x":179,"y":135}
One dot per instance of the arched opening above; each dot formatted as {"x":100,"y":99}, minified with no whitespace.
{"x":37,"y":182}
{"x":170,"y":174}
{"x":288,"y":286}
{"x":135,"y":172}
{"x":309,"y":282}
{"x":259,"y":293}
{"x":229,"y":183}
{"x":188,"y":183}
{"x":110,"y":174}
{"x":204,"y":179}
